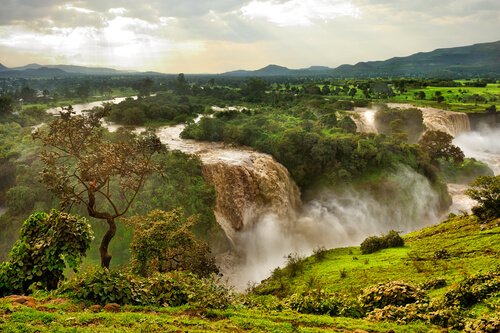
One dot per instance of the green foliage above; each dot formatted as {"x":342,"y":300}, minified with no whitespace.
{"x":102,"y":286}
{"x":374,"y":243}
{"x":294,"y":263}
{"x":435,"y":283}
{"x":164,"y":242}
{"x":474,"y":289}
{"x":465,"y":172}
{"x":411,"y":121}
{"x":318,"y":301}
{"x":438,"y":145}
{"x":47,"y":242}
{"x":320,"y":253}
{"x":153,"y":110}
{"x":347,"y":124}
{"x":486,"y":191}
{"x":397,"y":293}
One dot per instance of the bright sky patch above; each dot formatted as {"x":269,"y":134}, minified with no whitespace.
{"x":299,"y":12}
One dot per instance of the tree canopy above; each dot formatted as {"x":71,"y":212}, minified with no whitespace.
{"x":164,"y":242}
{"x":438,"y":145}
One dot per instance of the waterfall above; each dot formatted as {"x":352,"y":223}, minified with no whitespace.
{"x":453,"y":123}
{"x":248,"y":187}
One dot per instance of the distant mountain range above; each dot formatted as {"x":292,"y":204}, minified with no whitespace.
{"x":36,"y":70}
{"x":478,"y":59}
{"x":473,"y":60}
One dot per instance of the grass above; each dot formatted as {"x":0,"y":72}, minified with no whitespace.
{"x":473,"y":246}
{"x":72,"y":317}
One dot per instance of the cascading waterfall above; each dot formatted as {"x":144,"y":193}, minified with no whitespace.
{"x":453,"y":123}
{"x":259,"y":207}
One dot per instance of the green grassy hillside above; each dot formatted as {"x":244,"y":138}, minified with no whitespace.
{"x":445,"y":265}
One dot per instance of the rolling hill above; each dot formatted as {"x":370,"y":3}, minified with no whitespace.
{"x":457,"y":62}
{"x":474,"y":60}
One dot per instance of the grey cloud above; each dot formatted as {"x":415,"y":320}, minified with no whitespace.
{"x":227,"y":27}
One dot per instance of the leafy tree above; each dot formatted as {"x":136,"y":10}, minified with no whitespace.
{"x":181,"y":85}
{"x":326,"y":90}
{"x":6,"y":105}
{"x":348,"y":124}
{"x":353,"y":92}
{"x":47,"y":242}
{"x":83,"y":92}
{"x":254,"y":90}
{"x":438,"y":145}
{"x":146,"y":87}
{"x":81,"y":168}
{"x":486,"y":191}
{"x":164,"y":242}
{"x":28,"y":95}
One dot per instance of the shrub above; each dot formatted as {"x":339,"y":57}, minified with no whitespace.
{"x":435,"y":283}
{"x":374,"y":243}
{"x":393,"y":239}
{"x":483,"y":325}
{"x":486,"y":191}
{"x":101,"y":286}
{"x":473,"y":289}
{"x":294,"y":263}
{"x":163,"y":242}
{"x":391,"y":293}
{"x":426,"y":312}
{"x":320,"y":253}
{"x":442,"y":254}
{"x":47,"y":242}
{"x":321,"y":302}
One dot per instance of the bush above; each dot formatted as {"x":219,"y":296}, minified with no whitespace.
{"x":295,"y":263}
{"x":102,"y":286}
{"x":426,"y":312}
{"x":47,"y":243}
{"x":483,"y":325}
{"x":442,"y":254}
{"x":397,"y":293}
{"x":321,"y":302}
{"x":374,"y":243}
{"x":435,"y":283}
{"x":473,"y":290}
{"x":486,"y":191}
{"x":320,"y":253}
{"x":393,"y":239}
{"x":164,"y":241}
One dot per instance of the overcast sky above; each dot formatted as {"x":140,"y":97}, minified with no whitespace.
{"x":196,"y":36}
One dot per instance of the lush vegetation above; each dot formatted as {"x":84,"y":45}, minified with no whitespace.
{"x":47,"y":243}
{"x":443,"y":276}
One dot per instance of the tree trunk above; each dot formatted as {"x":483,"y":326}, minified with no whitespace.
{"x":103,"y":250}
